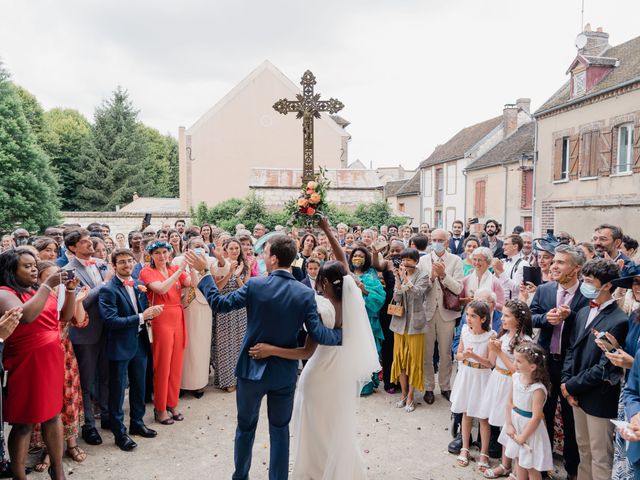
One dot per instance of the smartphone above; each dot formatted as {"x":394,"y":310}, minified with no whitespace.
{"x":147,"y":219}
{"x":71,"y":274}
{"x":473,"y":220}
{"x":533,"y":275}
{"x":605,"y":341}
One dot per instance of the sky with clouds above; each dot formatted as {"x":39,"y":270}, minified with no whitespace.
{"x":411,"y":73}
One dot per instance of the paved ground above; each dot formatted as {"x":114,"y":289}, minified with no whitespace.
{"x":395,"y":445}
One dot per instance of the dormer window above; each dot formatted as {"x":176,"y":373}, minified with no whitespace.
{"x":579,"y":83}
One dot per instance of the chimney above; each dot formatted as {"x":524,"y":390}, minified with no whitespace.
{"x":597,"y":42}
{"x":510,"y":119}
{"x":524,"y":104}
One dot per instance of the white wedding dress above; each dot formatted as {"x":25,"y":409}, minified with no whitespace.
{"x":324,"y":413}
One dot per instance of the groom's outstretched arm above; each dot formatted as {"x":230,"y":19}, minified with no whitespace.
{"x":222,"y":303}
{"x":320,"y":333}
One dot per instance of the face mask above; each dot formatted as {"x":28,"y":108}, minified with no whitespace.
{"x":357,"y":262}
{"x":589,"y":291}
{"x":198,"y":251}
{"x":438,"y":247}
{"x":21,"y":241}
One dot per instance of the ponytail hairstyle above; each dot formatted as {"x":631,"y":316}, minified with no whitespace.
{"x":334,"y":272}
{"x":521,"y":311}
{"x":482,"y":309}
{"x":536,"y":356}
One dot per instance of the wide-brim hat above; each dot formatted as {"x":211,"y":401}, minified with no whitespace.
{"x":548,"y":244}
{"x":630,"y":273}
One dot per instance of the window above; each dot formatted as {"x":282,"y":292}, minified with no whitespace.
{"x":625,"y":148}
{"x":564,"y":169}
{"x":439,"y":186}
{"x":561,"y":158}
{"x":479,"y":208}
{"x":579,"y":84}
{"x":438,"y":219}
{"x":527,"y":189}
{"x":527,"y":224}
{"x":401,"y":207}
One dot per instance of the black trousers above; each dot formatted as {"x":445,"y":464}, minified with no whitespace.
{"x":570,"y":449}
{"x":386,"y":351}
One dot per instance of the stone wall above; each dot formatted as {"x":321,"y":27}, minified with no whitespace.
{"x":122,"y":222}
{"x":276,"y":198}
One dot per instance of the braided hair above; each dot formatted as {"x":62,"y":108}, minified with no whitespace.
{"x":536,"y":356}
{"x":521,"y":311}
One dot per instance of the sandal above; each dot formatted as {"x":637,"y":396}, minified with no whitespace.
{"x":410,"y":407}
{"x":491,"y":472}
{"x":463,"y":461}
{"x":44,"y":464}
{"x":401,"y":403}
{"x":166,"y":421}
{"x":77,"y":454}
{"x":178,"y":417}
{"x":230,"y":389}
{"x":482,"y":466}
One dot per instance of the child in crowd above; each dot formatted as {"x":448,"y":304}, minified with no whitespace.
{"x":524,"y":434}
{"x":321,"y":253}
{"x":474,"y":370}
{"x":516,"y":329}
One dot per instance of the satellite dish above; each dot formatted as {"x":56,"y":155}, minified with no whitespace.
{"x":581,"y":41}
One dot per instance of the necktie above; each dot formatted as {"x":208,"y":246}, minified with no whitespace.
{"x":554,"y":346}
{"x":593,"y":304}
{"x":128,"y":283}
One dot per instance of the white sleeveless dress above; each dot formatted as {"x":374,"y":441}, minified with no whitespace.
{"x":324,"y":435}
{"x":536,"y":452}
{"x":494,"y":402}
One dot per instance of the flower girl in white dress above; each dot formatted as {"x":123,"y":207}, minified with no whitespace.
{"x":524,"y":435}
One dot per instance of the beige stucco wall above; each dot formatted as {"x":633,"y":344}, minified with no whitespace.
{"x":411,"y":207}
{"x":580,"y":221}
{"x":500,"y":187}
{"x":245,"y":131}
{"x":603,"y":187}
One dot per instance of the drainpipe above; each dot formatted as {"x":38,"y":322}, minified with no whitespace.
{"x":421,"y":216}
{"x":464,"y":205}
{"x":506,"y":194}
{"x":534,"y":225}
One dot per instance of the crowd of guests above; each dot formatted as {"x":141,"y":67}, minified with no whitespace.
{"x":541,"y":334}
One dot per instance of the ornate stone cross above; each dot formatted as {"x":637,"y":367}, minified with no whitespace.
{"x":308,"y":106}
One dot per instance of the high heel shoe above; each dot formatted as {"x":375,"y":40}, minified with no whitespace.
{"x":178,"y":417}
{"x":166,"y":421}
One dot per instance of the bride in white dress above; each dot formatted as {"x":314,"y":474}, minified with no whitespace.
{"x":324,"y":414}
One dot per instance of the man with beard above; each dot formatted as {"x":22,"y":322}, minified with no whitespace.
{"x":492,"y":229}
{"x":607,"y":239}
{"x":553,"y":311}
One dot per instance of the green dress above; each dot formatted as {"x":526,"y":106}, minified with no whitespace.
{"x":373,"y":303}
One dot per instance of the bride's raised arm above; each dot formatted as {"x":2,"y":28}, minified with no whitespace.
{"x":338,"y":252}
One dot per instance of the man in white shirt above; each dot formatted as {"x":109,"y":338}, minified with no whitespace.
{"x":446,"y":271}
{"x":510,"y":270}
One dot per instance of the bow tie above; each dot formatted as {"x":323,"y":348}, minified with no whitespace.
{"x":90,"y":262}
{"x":507,"y":260}
{"x":128,"y":283}
{"x":593,"y":304}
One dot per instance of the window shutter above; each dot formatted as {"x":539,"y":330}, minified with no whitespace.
{"x":557,"y":159}
{"x":604,"y":158}
{"x":479,"y":209}
{"x":636,"y":149}
{"x":593,"y":153}
{"x":574,"y":149}
{"x":585,"y":157}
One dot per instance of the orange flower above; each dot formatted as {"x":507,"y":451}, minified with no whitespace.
{"x":311,"y":211}
{"x":303,"y":202}
{"x":315,"y":198}
{"x":312,"y":185}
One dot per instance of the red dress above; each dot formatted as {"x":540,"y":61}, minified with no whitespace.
{"x":34,"y":359}
{"x":169,"y":338}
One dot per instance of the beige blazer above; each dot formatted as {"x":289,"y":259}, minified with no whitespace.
{"x":452,"y":280}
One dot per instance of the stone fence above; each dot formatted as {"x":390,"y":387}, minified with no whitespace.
{"x":123,"y":222}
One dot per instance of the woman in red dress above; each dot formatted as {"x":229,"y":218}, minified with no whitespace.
{"x":34,"y":348}
{"x":164,"y":287}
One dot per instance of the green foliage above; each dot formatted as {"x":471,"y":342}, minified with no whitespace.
{"x":115,"y":157}
{"x":376,"y":214}
{"x":63,"y":135}
{"x":32,"y":110}
{"x":161,"y":162}
{"x":28,"y":185}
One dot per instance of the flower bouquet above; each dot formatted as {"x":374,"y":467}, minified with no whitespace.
{"x":308,"y":208}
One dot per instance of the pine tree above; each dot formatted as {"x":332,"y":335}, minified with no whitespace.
{"x":28,"y":186}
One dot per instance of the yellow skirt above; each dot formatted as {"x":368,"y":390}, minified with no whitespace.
{"x":408,"y":357}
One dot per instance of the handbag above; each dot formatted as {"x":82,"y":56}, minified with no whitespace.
{"x":395,"y":309}
{"x":450,"y":300}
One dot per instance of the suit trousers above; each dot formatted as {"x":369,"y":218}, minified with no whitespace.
{"x":442,"y":331}
{"x":595,"y":443}
{"x":249,"y":396}
{"x":570,"y":450}
{"x":92,"y":365}
{"x":135,"y":369}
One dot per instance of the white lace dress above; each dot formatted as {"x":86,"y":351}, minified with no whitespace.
{"x":471,"y":383}
{"x":536,"y":452}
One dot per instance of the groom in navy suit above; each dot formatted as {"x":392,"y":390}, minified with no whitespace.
{"x":277,"y":307}
{"x":124,"y":309}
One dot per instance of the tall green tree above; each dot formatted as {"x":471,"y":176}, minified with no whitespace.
{"x":161,"y":162}
{"x":115,"y":156}
{"x":32,"y":110}
{"x":64,"y":133}
{"x":28,"y":185}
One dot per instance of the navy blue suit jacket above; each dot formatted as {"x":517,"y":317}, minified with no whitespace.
{"x":121,"y":319}
{"x":277,"y":307}
{"x":452,"y":246}
{"x":544,"y":300}
{"x":631,"y":398}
